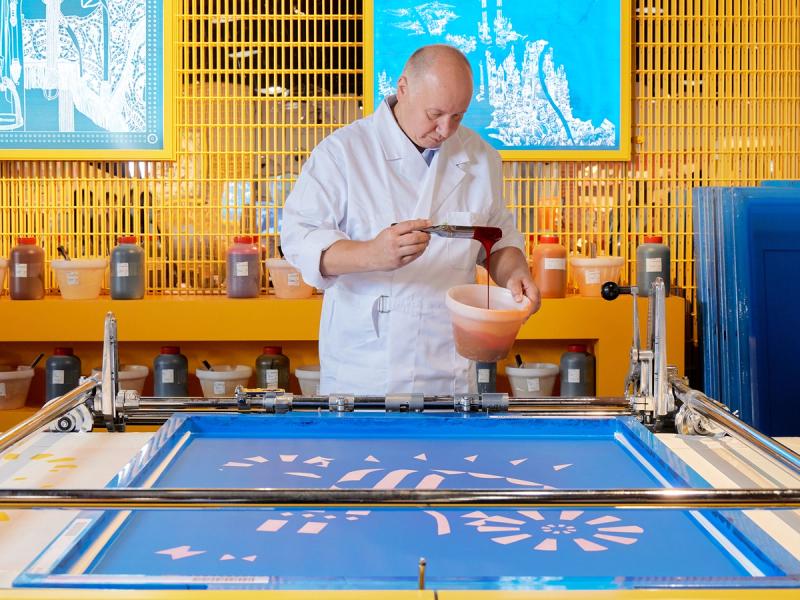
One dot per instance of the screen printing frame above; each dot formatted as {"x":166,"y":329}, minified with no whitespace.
{"x":70,"y":557}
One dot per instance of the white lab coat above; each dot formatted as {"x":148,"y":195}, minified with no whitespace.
{"x":390,"y":332}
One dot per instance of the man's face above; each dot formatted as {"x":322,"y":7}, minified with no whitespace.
{"x":433,"y":105}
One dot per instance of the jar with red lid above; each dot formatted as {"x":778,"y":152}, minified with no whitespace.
{"x":549,"y":267}
{"x":26,"y":270}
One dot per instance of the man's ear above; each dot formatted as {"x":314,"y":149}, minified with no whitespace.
{"x":402,"y":86}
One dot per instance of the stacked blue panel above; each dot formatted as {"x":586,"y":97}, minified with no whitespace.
{"x":747,"y":253}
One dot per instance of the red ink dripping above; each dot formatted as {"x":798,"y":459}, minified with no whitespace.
{"x":487,"y":236}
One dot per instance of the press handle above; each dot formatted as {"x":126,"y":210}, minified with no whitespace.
{"x":610,"y":290}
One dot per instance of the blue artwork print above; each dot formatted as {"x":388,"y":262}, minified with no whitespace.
{"x":81,"y":74}
{"x":546,"y":75}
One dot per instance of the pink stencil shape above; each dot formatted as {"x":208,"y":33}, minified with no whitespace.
{"x":518,"y":461}
{"x":588,"y":546}
{"x":471,"y":458}
{"x":623,"y":529}
{"x":180,"y":552}
{"x":250,"y":558}
{"x":560,"y":467}
{"x":227,"y":557}
{"x":371,"y":458}
{"x":534,"y":515}
{"x":617,"y":539}
{"x":475,"y":515}
{"x":288,"y":457}
{"x":448,"y":472}
{"x":393,"y":479}
{"x":484,"y":475}
{"x":233,"y":463}
{"x":495,"y":529}
{"x":303,"y":474}
{"x":547,"y":545}
{"x":430,"y":482}
{"x":319,"y":461}
{"x":357,"y":475}
{"x":421,"y":456}
{"x":569,"y":515}
{"x":272,"y":525}
{"x":514,"y":481}
{"x":511,"y":539}
{"x":312,"y":527}
{"x":257,"y":459}
{"x":442,"y":524}
{"x":602,"y":520}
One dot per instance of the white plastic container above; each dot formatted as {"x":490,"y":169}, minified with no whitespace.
{"x":485,"y":334}
{"x":80,"y":278}
{"x":221,"y":382}
{"x":308,"y":376}
{"x":532,"y":380}
{"x":131,"y":377}
{"x":592,"y":273}
{"x":14,"y":385}
{"x":3,"y":269}
{"x":286,"y":279}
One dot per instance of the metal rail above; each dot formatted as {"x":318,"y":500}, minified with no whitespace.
{"x":52,"y":411}
{"x":720,"y":415}
{"x":197,"y":498}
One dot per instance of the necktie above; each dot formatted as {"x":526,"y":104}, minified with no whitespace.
{"x":428,"y":155}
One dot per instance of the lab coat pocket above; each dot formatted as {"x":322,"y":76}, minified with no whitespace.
{"x":462,"y":254}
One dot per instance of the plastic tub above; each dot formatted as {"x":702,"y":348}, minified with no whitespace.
{"x":485,"y":334}
{"x":131,"y":377}
{"x":14,"y":386}
{"x":80,"y":278}
{"x":3,"y":269}
{"x":532,"y":380}
{"x":308,"y":376}
{"x":287,"y":280}
{"x":592,"y":273}
{"x":221,"y":382}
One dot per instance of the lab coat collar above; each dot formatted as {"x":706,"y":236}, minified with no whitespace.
{"x":396,"y":145}
{"x":445,"y":172}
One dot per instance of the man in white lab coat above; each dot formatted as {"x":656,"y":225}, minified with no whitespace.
{"x":352,"y":221}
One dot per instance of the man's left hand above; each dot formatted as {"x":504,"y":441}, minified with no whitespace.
{"x":520,"y":284}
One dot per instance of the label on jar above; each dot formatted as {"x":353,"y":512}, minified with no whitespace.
{"x":592,"y":275}
{"x":271,"y":377}
{"x":122,"y":269}
{"x":241,"y":269}
{"x":21,"y":270}
{"x":2,"y":389}
{"x":484,"y":375}
{"x":555,"y":264}
{"x":167,"y":376}
{"x":58,"y":376}
{"x":293,"y":279}
{"x":533,"y":384}
{"x":73,"y":278}
{"x":573,"y":375}
{"x":652,"y":265}
{"x":219,"y":387}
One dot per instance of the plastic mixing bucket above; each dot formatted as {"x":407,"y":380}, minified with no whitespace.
{"x":80,"y":278}
{"x":480,"y":333}
{"x":532,"y":380}
{"x":287,"y":280}
{"x":14,"y":386}
{"x":131,"y":377}
{"x":592,"y":273}
{"x":221,"y":382}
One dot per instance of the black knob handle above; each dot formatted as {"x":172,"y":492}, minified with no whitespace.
{"x":611,"y":290}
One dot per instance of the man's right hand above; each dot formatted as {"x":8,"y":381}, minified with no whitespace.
{"x":392,"y":248}
{"x":399,"y":244}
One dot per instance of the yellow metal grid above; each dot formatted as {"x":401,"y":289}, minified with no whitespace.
{"x":716,"y":89}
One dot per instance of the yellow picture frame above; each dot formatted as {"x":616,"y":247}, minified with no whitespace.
{"x":391,"y":24}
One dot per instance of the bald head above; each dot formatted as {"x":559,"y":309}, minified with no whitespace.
{"x":433,"y":93}
{"x":430,"y":59}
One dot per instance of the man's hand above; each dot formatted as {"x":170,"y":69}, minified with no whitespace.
{"x":392,"y":248}
{"x":521,"y":284}
{"x":398,"y":245}
{"x":510,"y":269}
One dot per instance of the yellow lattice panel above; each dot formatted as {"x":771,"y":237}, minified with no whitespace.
{"x":716,"y":89}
